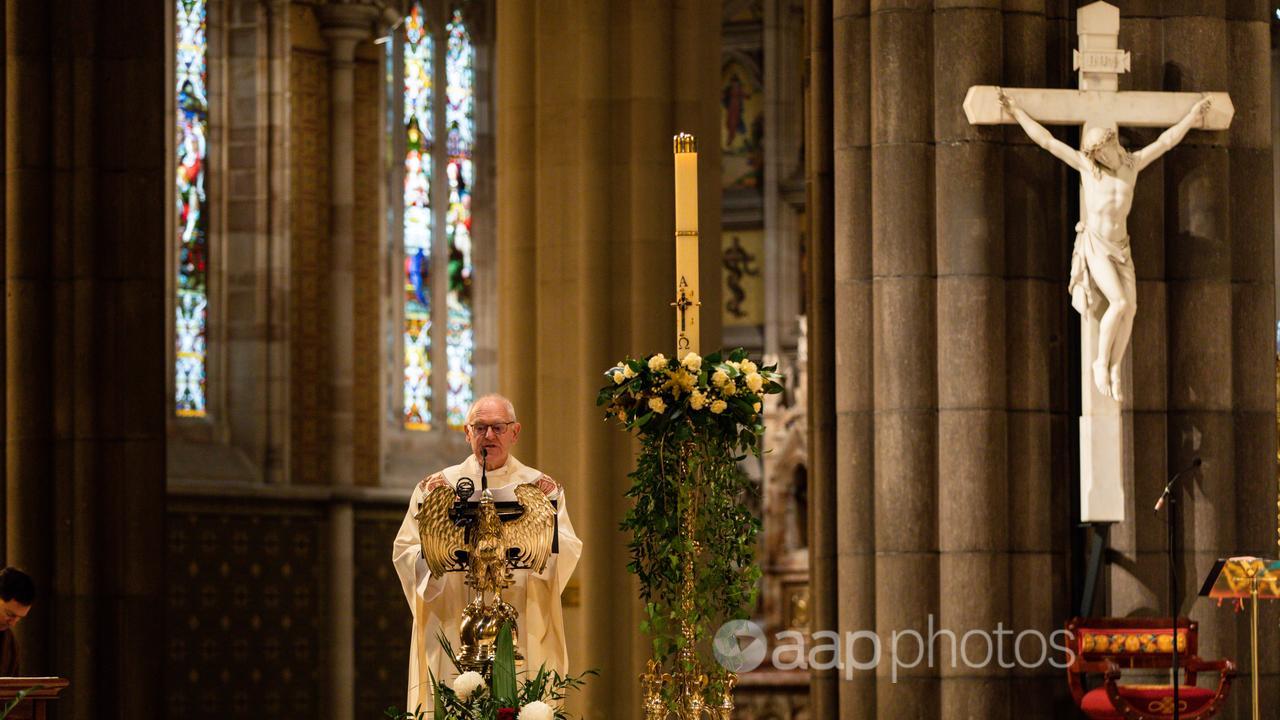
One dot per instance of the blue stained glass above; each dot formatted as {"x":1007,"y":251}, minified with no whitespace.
{"x":192,"y":278}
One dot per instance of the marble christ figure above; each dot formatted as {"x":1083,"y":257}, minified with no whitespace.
{"x":1101,"y":261}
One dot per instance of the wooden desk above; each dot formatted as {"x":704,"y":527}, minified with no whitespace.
{"x":35,"y":704}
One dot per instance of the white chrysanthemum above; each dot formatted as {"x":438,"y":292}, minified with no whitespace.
{"x":719,"y":406}
{"x":657,"y":362}
{"x":748,"y":367}
{"x":656,"y":405}
{"x":755,"y":381}
{"x":536,"y":710}
{"x":692,"y":361}
{"x":467,"y":683}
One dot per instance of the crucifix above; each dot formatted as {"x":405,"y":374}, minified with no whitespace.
{"x":1103,"y":285}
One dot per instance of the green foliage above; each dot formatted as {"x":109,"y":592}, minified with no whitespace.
{"x":504,"y":668}
{"x":22,"y":694}
{"x":695,"y":422}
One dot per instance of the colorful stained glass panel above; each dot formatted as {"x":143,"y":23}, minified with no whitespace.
{"x":460,"y":120}
{"x":192,"y":278}
{"x":418,"y":53}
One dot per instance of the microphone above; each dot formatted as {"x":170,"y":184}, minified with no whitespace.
{"x":484,"y":468}
{"x":1168,"y":488}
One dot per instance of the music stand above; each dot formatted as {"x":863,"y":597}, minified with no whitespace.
{"x":1238,"y":578}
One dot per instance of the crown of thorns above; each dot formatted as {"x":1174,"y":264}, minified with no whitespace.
{"x":1107,"y":136}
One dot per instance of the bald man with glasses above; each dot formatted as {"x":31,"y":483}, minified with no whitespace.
{"x":437,"y":602}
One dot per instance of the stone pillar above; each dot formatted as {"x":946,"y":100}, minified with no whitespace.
{"x":819,"y":187}
{"x":1201,"y":318}
{"x":30,"y":472}
{"x":905,"y":341}
{"x":972,"y":420}
{"x":344,"y":25}
{"x":1253,"y":318}
{"x":1035,"y":288}
{"x":854,"y":383}
{"x":85,"y":344}
{"x":589,"y":97}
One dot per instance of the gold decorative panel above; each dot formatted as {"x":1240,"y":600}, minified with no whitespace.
{"x":246,"y":613}
{"x":310,"y":392}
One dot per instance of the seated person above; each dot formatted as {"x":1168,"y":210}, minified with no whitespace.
{"x":17,"y":593}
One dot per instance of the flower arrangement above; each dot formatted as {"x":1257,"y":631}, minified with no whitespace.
{"x":696,"y":418}
{"x":502,"y":697}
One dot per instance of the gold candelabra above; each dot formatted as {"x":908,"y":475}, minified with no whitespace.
{"x":694,"y":699}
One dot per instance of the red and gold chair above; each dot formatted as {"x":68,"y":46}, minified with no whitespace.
{"x":1108,"y":646}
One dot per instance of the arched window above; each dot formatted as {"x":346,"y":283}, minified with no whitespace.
{"x":191,"y":280}
{"x":437,"y":130}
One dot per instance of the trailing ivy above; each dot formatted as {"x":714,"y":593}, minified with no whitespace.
{"x":695,"y":421}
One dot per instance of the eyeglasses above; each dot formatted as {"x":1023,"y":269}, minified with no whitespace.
{"x":498,"y":429}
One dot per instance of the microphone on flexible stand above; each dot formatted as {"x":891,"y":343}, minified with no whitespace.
{"x":484,"y":468}
{"x":1168,"y":488}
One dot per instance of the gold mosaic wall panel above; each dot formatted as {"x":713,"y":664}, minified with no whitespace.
{"x":383,"y":621}
{"x":310,"y":393}
{"x":246,"y":612}
{"x":367,"y":293}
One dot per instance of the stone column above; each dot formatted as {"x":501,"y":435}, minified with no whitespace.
{"x":1034,"y":192}
{"x":1201,"y":317}
{"x":588,"y":100}
{"x":1253,"y":317}
{"x":972,"y":420}
{"x":30,"y":472}
{"x":344,"y":25}
{"x":905,"y":341}
{"x":854,"y":383}
{"x":821,"y":335}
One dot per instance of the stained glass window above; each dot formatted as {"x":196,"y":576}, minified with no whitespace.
{"x":460,"y":120}
{"x":192,"y":278}
{"x":438,"y":234}
{"x":418,"y":222}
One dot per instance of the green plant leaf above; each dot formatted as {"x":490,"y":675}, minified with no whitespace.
{"x":504,"y":668}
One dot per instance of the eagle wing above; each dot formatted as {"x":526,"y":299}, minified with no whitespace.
{"x":529,"y":538}
{"x":440,"y":538}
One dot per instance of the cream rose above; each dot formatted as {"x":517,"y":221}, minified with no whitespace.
{"x":536,"y":710}
{"x":627,"y":372}
{"x":719,"y":406}
{"x":467,"y":683}
{"x":748,"y":367}
{"x":656,"y":405}
{"x":697,"y":400}
{"x":657,"y":362}
{"x":719,"y":378}
{"x":729,"y":389}
{"x":755,"y":381}
{"x":617,"y":377}
{"x":692,"y":361}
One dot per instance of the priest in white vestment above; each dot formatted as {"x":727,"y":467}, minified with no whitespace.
{"x":437,"y":602}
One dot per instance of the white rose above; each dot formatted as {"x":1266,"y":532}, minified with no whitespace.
{"x":627,"y":372}
{"x":657,"y":362}
{"x":697,"y":400}
{"x":748,"y":367}
{"x":536,"y":710}
{"x":618,"y":377}
{"x":719,"y":378}
{"x":656,"y":405}
{"x":755,"y":382}
{"x":719,"y":406}
{"x":693,"y":361}
{"x":467,"y":683}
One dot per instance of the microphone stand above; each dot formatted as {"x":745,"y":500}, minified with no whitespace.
{"x":1170,"y":498}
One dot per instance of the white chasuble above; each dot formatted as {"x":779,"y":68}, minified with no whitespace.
{"x":437,"y":602}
